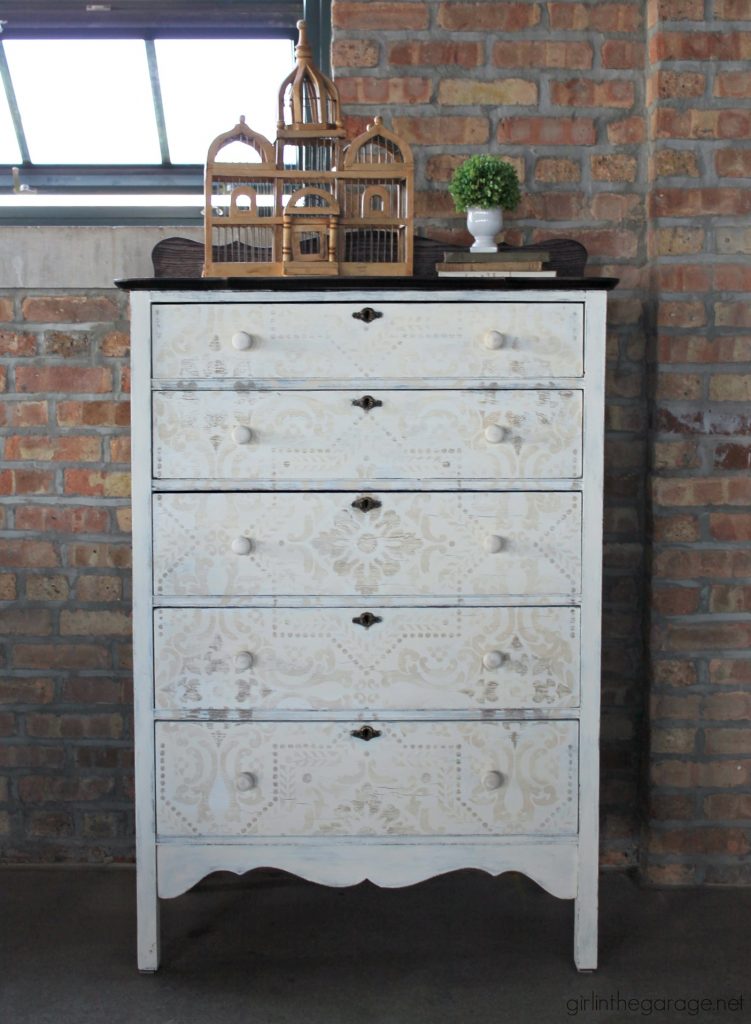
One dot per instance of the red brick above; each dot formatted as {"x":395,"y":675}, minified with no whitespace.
{"x":611,"y":206}
{"x":93,"y":414}
{"x":731,"y":706}
{"x":623,"y":54}
{"x":70,"y":309}
{"x":607,"y":17}
{"x":730,"y":671}
{"x":733,"y":85}
{"x":54,"y":788}
{"x":551,"y":169}
{"x":434,"y":131}
{"x":81,"y":379}
{"x":675,"y":455}
{"x":528,"y":53}
{"x":706,"y":636}
{"x":435,"y":53}
{"x":16,"y":621}
{"x":728,"y":806}
{"x":730,"y":526}
{"x":700,"y":841}
{"x":676,"y":600}
{"x":37,"y":554}
{"x":703,"y":491}
{"x":700,"y":46}
{"x":547,"y":131}
{"x":734,"y":163}
{"x":728,"y":599}
{"x":8,"y":590}
{"x":480,"y":17}
{"x":63,"y":519}
{"x":584,"y":92}
{"x":94,"y":623}
{"x":376,"y":15}
{"x":696,"y":202}
{"x":65,"y":657}
{"x":670,"y":874}
{"x":26,"y":481}
{"x":12,"y":343}
{"x":613,"y":167}
{"x":67,"y":344}
{"x":671,"y":672}
{"x":732,"y":314}
{"x":732,"y":456}
{"x":675,"y":163}
{"x":99,"y":556}
{"x":35,"y":447}
{"x":680,"y":84}
{"x":732,"y":10}
{"x":119,"y":449}
{"x":628,"y":130}
{"x":29,"y":413}
{"x":730,"y":387}
{"x":97,"y":483}
{"x":685,"y":774}
{"x":678,"y":529}
{"x":680,"y":10}
{"x":694,"y":564}
{"x":684,"y":277}
{"x":6,"y":309}
{"x":681,"y":386}
{"x":384,"y":90}
{"x":679,"y":241}
{"x":73,"y":726}
{"x":502,"y":92}
{"x":19,"y":690}
{"x":697,"y":348}
{"x":42,"y":587}
{"x":355,"y":53}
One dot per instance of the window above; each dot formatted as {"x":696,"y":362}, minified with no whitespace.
{"x":115,"y":104}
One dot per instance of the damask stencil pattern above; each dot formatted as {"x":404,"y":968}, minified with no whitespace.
{"x":312,"y":779}
{"x":408,"y":341}
{"x":323,"y":435}
{"x":457,"y":544}
{"x":325,"y":658}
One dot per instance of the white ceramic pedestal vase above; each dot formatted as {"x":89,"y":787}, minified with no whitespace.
{"x":484,"y":225}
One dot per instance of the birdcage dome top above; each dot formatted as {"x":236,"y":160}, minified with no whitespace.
{"x":308,"y":99}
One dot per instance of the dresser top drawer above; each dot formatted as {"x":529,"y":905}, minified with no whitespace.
{"x":482,"y":340}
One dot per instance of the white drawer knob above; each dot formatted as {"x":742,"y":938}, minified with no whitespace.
{"x":242,"y":545}
{"x":242,"y":435}
{"x":494,"y":339}
{"x":241,"y":341}
{"x":243,"y":660}
{"x":246,"y":781}
{"x":495,"y":434}
{"x":494,"y":544}
{"x":493,"y":659}
{"x":493,"y":780}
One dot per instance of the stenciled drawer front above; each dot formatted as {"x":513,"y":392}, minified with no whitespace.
{"x":360,"y":341}
{"x":383,"y":435}
{"x":411,"y":779}
{"x":389,"y":658}
{"x":393,"y":544}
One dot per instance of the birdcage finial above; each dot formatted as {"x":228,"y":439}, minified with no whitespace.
{"x":303,"y":51}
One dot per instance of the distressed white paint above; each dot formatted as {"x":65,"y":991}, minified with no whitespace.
{"x":324,"y":659}
{"x":323,"y":436}
{"x":407,"y":559}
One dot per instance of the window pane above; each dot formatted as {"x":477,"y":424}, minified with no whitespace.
{"x":9,"y":151}
{"x":208,"y":84}
{"x":85,"y":101}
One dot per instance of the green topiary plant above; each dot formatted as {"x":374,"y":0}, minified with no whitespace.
{"x":484,"y":181}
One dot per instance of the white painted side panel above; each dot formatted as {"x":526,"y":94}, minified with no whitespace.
{"x":317,"y":659}
{"x":315,"y":778}
{"x":408,"y":340}
{"x":322,"y":435}
{"x":413,"y":544}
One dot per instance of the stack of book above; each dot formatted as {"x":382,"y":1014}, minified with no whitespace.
{"x":506,"y":263}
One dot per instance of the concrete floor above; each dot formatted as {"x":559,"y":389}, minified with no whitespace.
{"x":270,"y":949}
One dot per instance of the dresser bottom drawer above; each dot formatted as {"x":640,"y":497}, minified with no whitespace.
{"x":411,"y":779}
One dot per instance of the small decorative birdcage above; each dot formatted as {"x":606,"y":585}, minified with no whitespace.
{"x":309,"y":204}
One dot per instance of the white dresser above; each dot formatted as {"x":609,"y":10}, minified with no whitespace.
{"x":367,"y":564}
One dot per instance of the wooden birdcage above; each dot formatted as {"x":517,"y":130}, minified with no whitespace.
{"x":309,"y":204}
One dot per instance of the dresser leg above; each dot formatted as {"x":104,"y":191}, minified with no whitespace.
{"x":585,"y":929}
{"x":148,"y":924}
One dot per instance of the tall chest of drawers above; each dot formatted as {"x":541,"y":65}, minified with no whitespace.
{"x":367,"y":564}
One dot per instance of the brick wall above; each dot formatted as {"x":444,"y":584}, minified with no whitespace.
{"x":626,"y":121}
{"x":65,"y":690}
{"x":698,"y":87}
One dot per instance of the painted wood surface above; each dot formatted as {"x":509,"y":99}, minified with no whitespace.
{"x":325,"y":435}
{"x":412,"y":544}
{"x":315,"y":659}
{"x":317,"y":778}
{"x":411,"y":340}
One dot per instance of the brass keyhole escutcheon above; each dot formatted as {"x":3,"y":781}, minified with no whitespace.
{"x":366,"y":503}
{"x":367,"y":315}
{"x":367,"y":619}
{"x":367,"y":402}
{"x":365,"y":732}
